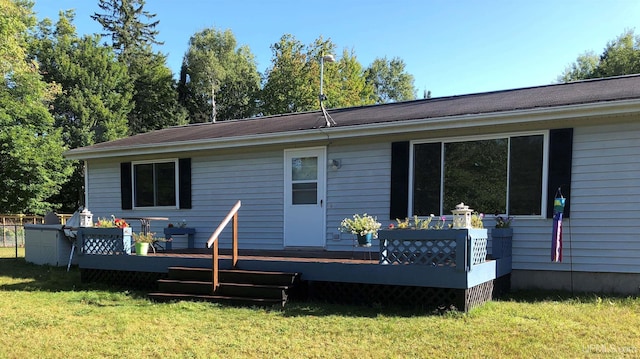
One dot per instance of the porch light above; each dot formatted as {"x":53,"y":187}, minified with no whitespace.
{"x":335,"y":164}
{"x":462,"y":216}
{"x":86,"y":218}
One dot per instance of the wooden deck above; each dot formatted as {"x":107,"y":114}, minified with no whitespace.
{"x":428,"y":266}
{"x":349,"y":267}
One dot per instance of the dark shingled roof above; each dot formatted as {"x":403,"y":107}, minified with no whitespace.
{"x":575,"y":93}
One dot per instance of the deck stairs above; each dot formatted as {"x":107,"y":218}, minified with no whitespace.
{"x":237,"y":287}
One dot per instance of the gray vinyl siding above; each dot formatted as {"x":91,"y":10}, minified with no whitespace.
{"x":104,"y":189}
{"x":361,"y":185}
{"x":218,"y":182}
{"x":602,"y":234}
{"x":256,"y":179}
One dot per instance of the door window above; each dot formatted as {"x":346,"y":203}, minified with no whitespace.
{"x":304,"y":180}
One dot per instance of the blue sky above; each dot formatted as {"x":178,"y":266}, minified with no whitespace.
{"x":450,"y":47}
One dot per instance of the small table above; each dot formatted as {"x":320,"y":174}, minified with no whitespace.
{"x":145,"y":222}
{"x":169,"y":232}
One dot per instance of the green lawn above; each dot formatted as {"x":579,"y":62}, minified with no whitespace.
{"x":46,"y":312}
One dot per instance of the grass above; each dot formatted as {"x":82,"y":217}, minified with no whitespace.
{"x":46,"y":312}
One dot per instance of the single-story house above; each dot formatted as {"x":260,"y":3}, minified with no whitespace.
{"x":506,"y":152}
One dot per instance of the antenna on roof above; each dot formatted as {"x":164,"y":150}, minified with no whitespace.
{"x":322,"y":97}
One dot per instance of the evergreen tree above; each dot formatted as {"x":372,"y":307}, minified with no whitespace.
{"x":132,"y":31}
{"x":123,"y":22}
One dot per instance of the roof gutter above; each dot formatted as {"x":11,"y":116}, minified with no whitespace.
{"x":591,"y":110}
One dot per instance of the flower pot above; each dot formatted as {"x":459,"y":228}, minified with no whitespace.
{"x":501,"y":242}
{"x":365,"y":241}
{"x":142,"y":249}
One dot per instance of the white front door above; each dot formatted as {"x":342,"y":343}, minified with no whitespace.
{"x":304,"y":197}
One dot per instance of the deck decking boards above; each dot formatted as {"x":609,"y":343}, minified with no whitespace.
{"x":334,"y":271}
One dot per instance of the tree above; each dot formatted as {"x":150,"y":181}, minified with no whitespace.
{"x":293,"y":80}
{"x":584,"y":68}
{"x":350,"y":87}
{"x":155,"y":95}
{"x":620,"y":57}
{"x":31,"y":164}
{"x":123,"y":22}
{"x":218,"y":80}
{"x":390,"y":81}
{"x":132,"y":31}
{"x":289,"y":85}
{"x":96,"y":97}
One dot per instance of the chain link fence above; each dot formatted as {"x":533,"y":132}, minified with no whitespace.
{"x":12,"y":227}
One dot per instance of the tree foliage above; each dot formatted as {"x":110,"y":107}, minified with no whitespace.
{"x":350,"y":88}
{"x":290,"y":82}
{"x":293,"y":80}
{"x":31,"y":163}
{"x":219,"y":80}
{"x":390,"y":81}
{"x":155,"y":95}
{"x":132,"y":31}
{"x":123,"y":22}
{"x":620,"y":57}
{"x":96,"y":88}
{"x":96,"y":93}
{"x":289,"y":85}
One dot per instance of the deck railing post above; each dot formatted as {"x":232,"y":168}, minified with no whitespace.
{"x":234,"y":259}
{"x":214,"y":265}
{"x":213,"y":243}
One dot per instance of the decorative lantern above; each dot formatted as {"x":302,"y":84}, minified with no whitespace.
{"x":462,"y":216}
{"x":86,"y":218}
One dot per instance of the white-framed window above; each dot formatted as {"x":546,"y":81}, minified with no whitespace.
{"x":155,"y":183}
{"x":505,"y":174}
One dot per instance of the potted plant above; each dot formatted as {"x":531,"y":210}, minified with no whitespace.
{"x":142,"y":242}
{"x":364,"y":226}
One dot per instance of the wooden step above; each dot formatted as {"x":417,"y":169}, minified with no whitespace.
{"x":184,"y":286}
{"x":167,"y":297}
{"x":227,"y":289}
{"x":236,"y":286}
{"x":253,"y":290}
{"x":189,"y":273}
{"x":233,"y":276}
{"x":257,"y":277}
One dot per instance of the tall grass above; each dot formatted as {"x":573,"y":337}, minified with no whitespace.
{"x":48,"y":313}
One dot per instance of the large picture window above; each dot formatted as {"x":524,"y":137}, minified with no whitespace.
{"x":154,"y":184}
{"x":494,"y":175}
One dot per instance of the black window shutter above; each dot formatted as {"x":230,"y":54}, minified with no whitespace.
{"x":184,"y":178}
{"x":399,"y":180}
{"x":560,"y":154}
{"x":126,"y":190}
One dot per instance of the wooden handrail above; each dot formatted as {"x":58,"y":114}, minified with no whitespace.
{"x":213,"y":243}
